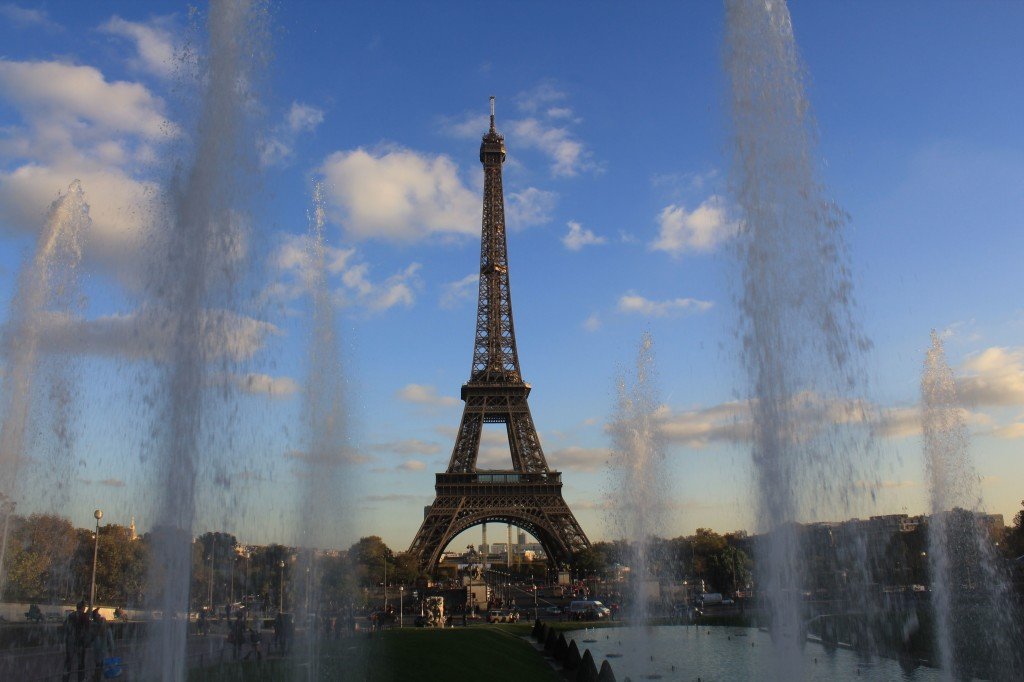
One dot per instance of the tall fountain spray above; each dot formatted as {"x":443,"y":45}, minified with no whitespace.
{"x":200,"y":259}
{"x":326,"y":476}
{"x":640,"y":490}
{"x":47,"y":293}
{"x":977,"y":629}
{"x":801,"y":346}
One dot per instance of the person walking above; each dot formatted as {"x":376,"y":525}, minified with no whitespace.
{"x":237,"y":634}
{"x":76,"y":641}
{"x":102,"y":644}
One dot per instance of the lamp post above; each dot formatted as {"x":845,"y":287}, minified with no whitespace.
{"x":8,"y":509}
{"x":401,"y":610}
{"x":213,"y":552}
{"x":535,"y":601}
{"x":98,"y":514}
{"x":280,"y":592}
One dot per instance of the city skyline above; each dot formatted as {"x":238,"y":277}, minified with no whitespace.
{"x":620,"y":223}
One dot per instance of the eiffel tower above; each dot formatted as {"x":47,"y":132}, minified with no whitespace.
{"x":530,"y":494}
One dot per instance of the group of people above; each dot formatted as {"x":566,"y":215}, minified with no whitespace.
{"x":85,"y":630}
{"x":240,"y":634}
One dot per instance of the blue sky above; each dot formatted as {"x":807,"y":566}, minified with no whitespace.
{"x":616,"y":122}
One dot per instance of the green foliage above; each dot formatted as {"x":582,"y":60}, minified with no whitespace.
{"x":40,"y":549}
{"x":1013,"y":539}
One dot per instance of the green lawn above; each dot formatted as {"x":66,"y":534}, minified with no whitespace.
{"x":491,"y":652}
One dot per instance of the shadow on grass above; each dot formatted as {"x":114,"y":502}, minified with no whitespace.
{"x":495,"y":652}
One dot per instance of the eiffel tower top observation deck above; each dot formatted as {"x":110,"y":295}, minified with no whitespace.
{"x":529,"y":495}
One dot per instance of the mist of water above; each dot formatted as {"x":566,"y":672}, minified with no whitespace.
{"x":973,"y":606}
{"x":326,"y":474}
{"x":47,"y":292}
{"x":200,"y":259}
{"x":640,"y":485}
{"x":800,"y":344}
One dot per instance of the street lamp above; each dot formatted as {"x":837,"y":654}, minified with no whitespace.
{"x":8,"y":509}
{"x":535,"y":601}
{"x":401,"y":611}
{"x":213,"y":552}
{"x":280,"y":592}
{"x":98,"y":514}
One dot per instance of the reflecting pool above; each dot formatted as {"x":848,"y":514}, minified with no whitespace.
{"x":724,"y":653}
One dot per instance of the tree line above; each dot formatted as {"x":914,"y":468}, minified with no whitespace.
{"x":48,"y":560}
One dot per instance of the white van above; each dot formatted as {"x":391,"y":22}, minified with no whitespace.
{"x":588,"y":609}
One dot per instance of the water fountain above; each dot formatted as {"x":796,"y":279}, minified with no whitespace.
{"x":640,"y":486}
{"x":47,"y":293}
{"x":977,"y":630}
{"x":326,"y":478}
{"x":800,"y":343}
{"x":200,"y":258}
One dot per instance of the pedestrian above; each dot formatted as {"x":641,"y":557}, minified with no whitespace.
{"x":102,"y":643}
{"x":236,"y":636}
{"x":76,"y":641}
{"x":254,"y":641}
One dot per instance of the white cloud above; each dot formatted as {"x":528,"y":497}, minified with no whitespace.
{"x":576,"y":458}
{"x":21,"y":16}
{"x":293,"y":261}
{"x":541,"y":96}
{"x":993,"y":377}
{"x":304,"y":117}
{"x":467,"y":127}
{"x":634,"y":303}
{"x":278,"y":147}
{"x":409,"y":446}
{"x":412,"y":465}
{"x":701,"y":230}
{"x":684,"y":183}
{"x":118,"y":203}
{"x":569,"y":156}
{"x":578,"y":237}
{"x":1010,"y":431}
{"x":425,"y":395}
{"x":265,"y":385}
{"x":453,"y":293}
{"x":80,"y":98}
{"x":78,"y":125}
{"x":592,"y":323}
{"x":531,"y":206}
{"x":545,"y":127}
{"x":398,"y":289}
{"x":149,"y":334}
{"x":726,"y":422}
{"x":398,"y":195}
{"x":154,"y":43}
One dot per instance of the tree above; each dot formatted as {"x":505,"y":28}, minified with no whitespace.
{"x":39,"y":558}
{"x":121,"y":565}
{"x":266,"y":573}
{"x":214,"y":559}
{"x":369,"y":556}
{"x":1013,"y":540}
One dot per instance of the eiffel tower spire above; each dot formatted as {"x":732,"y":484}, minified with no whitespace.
{"x":495,"y":359}
{"x":529,"y":495}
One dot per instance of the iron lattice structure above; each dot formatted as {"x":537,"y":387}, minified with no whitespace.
{"x":530,"y":494}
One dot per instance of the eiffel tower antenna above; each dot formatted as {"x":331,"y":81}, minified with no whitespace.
{"x":529,"y":495}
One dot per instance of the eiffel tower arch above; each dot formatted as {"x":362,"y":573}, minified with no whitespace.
{"x":529,"y":495}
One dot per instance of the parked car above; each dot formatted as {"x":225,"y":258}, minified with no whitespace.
{"x":502,"y":616}
{"x":588,"y":609}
